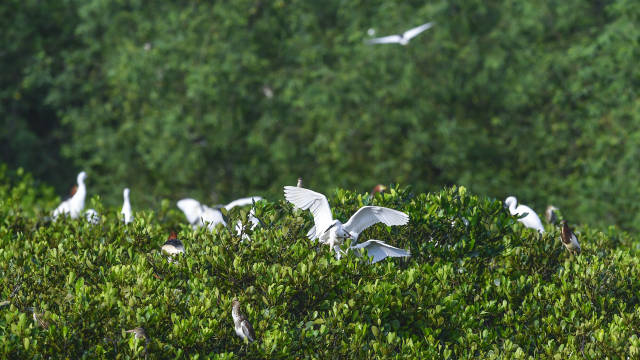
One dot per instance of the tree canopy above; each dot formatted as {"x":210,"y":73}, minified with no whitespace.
{"x":216,"y":100}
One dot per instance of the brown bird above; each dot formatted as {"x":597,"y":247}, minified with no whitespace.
{"x":39,"y":318}
{"x":551,"y":214}
{"x":299,"y":182}
{"x":378,"y":189}
{"x":241,"y":324}
{"x":139,"y":333}
{"x":569,"y":239}
{"x":173,"y":246}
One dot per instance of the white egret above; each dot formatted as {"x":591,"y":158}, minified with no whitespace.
{"x":126,"y":207}
{"x":377,"y":249}
{"x":74,"y":205}
{"x":200,"y":215}
{"x":331,"y":231}
{"x":531,"y":220}
{"x":569,"y":239}
{"x":402,"y":39}
{"x":241,"y":324}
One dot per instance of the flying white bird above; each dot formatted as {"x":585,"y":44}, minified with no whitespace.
{"x":241,"y":324}
{"x":402,"y":39}
{"x":331,"y":231}
{"x":92,"y":216}
{"x":126,"y":207}
{"x":531,"y":220}
{"x":200,"y":215}
{"x":74,"y":205}
{"x":569,"y":239}
{"x":377,"y":249}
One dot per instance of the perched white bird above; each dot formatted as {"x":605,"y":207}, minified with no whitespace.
{"x":200,"y":215}
{"x":92,"y":216}
{"x":531,"y":220}
{"x":127,"y":216}
{"x":331,"y":231}
{"x":569,"y":239}
{"x":74,"y":205}
{"x":241,"y":324}
{"x":402,"y":39}
{"x":377,"y":249}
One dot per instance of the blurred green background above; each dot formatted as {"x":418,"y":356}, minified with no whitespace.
{"x":217,"y":100}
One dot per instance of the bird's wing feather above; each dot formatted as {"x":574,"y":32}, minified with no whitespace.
{"x":242,"y":202}
{"x":212,"y":217}
{"x":311,"y":234}
{"x":317,"y":203}
{"x":531,"y":220}
{"x":385,"y":40}
{"x":369,"y":215}
{"x":411,"y":33}
{"x":247,"y":329}
{"x":380,"y":250}
{"x":191,"y":209}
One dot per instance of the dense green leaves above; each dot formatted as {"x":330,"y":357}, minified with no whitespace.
{"x":478,"y":284}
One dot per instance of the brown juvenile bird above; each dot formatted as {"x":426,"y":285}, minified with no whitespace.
{"x":39,"y":318}
{"x":241,"y":324}
{"x":569,"y":239}
{"x":139,"y":333}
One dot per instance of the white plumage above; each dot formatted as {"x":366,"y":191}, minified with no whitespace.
{"x":92,"y":216}
{"x":200,"y":215}
{"x":402,"y":39}
{"x":74,"y":205}
{"x":531,"y":220}
{"x":127,"y":216}
{"x":331,"y":231}
{"x":379,"y":250}
{"x":254,"y":222}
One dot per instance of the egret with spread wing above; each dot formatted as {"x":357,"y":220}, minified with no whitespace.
{"x":331,"y":231}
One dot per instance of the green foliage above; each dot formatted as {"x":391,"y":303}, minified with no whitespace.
{"x":535,"y":99}
{"x":478,"y":284}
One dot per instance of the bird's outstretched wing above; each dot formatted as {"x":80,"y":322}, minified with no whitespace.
{"x":317,"y":203}
{"x":411,"y":33}
{"x":369,"y":215}
{"x":191,"y":209}
{"x":242,"y":202}
{"x":391,"y":39}
{"x":247,"y":329}
{"x":379,"y":250}
{"x":311,"y":234}
{"x":211,"y":217}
